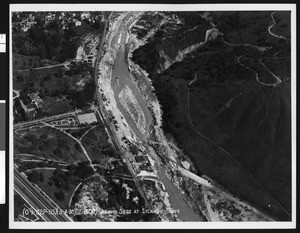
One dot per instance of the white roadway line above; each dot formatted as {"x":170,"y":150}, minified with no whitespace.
{"x":52,"y":201}
{"x":25,"y":199}
{"x":49,"y":199}
{"x":37,"y":199}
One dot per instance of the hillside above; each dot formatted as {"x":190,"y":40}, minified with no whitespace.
{"x":234,"y":118}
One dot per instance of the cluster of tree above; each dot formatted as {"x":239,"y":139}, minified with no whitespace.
{"x":52,"y":41}
{"x":78,"y":67}
{"x":166,"y":93}
{"x":60,"y":196}
{"x":35,"y":176}
{"x":83,"y":98}
{"x":82,"y":170}
{"x":117,"y":199}
{"x":60,"y":179}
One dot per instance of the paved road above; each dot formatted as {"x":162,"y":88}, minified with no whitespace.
{"x":39,"y":202}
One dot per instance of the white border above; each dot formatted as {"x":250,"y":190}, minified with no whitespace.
{"x":160,"y":225}
{"x":2,"y":177}
{"x":2,"y":169}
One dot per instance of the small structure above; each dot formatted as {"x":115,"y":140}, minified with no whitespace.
{"x":30,"y":110}
{"x":77,"y":23}
{"x":87,"y":118}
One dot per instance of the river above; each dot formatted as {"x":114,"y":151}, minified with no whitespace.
{"x":121,"y":71}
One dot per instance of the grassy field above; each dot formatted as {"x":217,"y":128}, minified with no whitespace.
{"x":50,"y":143}
{"x":97,"y":145}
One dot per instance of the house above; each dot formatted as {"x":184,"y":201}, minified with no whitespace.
{"x":36,"y":99}
{"x":85,"y":15}
{"x":77,"y":23}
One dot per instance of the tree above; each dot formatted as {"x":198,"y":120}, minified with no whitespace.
{"x":41,"y":179}
{"x":60,"y":196}
{"x":33,"y":177}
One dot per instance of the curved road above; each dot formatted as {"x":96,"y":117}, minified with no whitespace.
{"x":272,"y":25}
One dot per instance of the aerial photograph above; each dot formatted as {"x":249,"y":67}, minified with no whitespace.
{"x":151,"y":116}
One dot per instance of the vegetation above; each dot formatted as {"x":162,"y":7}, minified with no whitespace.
{"x":51,"y":144}
{"x":170,"y":40}
{"x":228,"y":106}
{"x":98,"y":147}
{"x":57,"y":184}
{"x":55,"y":40}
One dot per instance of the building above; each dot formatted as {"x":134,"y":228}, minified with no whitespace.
{"x":30,"y":110}
{"x":36,"y":99}
{"x":85,"y":15}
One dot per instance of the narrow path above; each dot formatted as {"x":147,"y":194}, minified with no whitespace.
{"x":276,"y":77}
{"x":276,"y":84}
{"x":77,"y":140}
{"x":87,"y":132}
{"x":70,"y":200}
{"x":46,"y":67}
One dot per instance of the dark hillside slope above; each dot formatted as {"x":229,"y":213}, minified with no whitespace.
{"x":236,"y":129}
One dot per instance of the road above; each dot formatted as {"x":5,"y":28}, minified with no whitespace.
{"x":275,"y":84}
{"x":272,"y":25}
{"x":38,"y":201}
{"x":46,"y":67}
